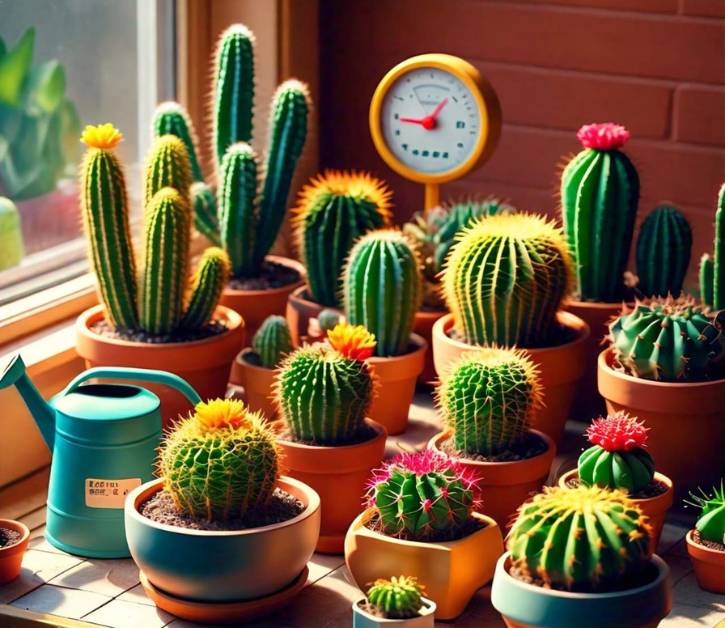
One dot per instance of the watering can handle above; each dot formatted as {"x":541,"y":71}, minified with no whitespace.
{"x":147,"y":375}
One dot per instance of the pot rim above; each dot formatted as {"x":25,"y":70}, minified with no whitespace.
{"x":667,"y":496}
{"x":431,"y":315}
{"x":154,"y":486}
{"x":244,"y":363}
{"x":421,"y":344}
{"x":379,"y":429}
{"x":283,"y":261}
{"x":595,"y":305}
{"x":18,"y":546}
{"x":428,"y":607}
{"x":705,"y":553}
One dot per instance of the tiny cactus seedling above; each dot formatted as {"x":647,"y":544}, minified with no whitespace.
{"x":711,"y":522}
{"x":272,"y":341}
{"x":328,"y":319}
{"x":167,"y":166}
{"x":712,"y":269}
{"x":397,"y":598}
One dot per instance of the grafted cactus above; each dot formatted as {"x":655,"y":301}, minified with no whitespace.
{"x":272,"y":341}
{"x":170,"y":118}
{"x":711,"y":521}
{"x":397,"y":598}
{"x":209,"y":280}
{"x":712,"y":269}
{"x":167,"y":166}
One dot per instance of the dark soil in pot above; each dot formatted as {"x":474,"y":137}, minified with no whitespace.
{"x":9,"y":537}
{"x":531,"y":446}
{"x":105,"y":329}
{"x":272,"y":275}
{"x":653,"y":489}
{"x":560,"y":335}
{"x":442,"y":536}
{"x":713,"y":545}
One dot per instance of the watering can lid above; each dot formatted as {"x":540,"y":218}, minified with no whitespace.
{"x":107,"y":402}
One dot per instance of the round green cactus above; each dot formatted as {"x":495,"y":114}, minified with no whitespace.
{"x":488,"y":398}
{"x":579,"y":539}
{"x":397,"y":598}
{"x":711,"y":522}
{"x":272,"y":341}
{"x":328,"y":319}
{"x":220,"y":463}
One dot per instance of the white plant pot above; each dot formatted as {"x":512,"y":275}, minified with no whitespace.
{"x":362,"y":619}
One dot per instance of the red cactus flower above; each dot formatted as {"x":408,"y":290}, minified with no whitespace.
{"x":617,"y":432}
{"x":603,"y":136}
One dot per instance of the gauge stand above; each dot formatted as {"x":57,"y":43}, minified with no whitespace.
{"x":432,"y":196}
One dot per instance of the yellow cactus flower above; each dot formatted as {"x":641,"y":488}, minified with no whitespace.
{"x":101,"y":136}
{"x":352,"y":341}
{"x":222,"y":413}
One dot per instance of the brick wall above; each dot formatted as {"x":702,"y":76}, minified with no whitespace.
{"x":656,"y":66}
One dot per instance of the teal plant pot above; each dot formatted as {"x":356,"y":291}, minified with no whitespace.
{"x":362,"y":619}
{"x":526,"y":605}
{"x":225,"y":566}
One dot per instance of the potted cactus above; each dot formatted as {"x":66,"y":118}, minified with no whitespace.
{"x":706,"y":542}
{"x":618,"y":459}
{"x":487,"y":399}
{"x":160,"y":319}
{"x":382,"y":291}
{"x":665,"y":362}
{"x":577,"y":553}
{"x":323,"y":395}
{"x":423,"y":518}
{"x":397,"y":603}
{"x":504,"y":282}
{"x":218,"y":511}
{"x":712,"y":281}
{"x":333,"y":210}
{"x":14,"y":539}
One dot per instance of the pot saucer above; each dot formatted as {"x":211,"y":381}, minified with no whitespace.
{"x":223,"y":612}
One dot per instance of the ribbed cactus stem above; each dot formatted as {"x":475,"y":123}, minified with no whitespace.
{"x":203,"y":203}
{"x":167,"y":166}
{"x":397,"y":598}
{"x":707,"y":280}
{"x":272,"y":341}
{"x":170,"y":118}
{"x":207,"y":284}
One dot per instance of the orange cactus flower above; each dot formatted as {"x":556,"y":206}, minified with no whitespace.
{"x":352,"y":341}
{"x":101,"y":136}
{"x":222,"y":413}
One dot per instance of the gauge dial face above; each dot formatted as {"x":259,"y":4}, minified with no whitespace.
{"x":430,"y":120}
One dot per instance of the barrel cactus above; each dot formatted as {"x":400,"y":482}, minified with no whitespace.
{"x":712,"y":269}
{"x":220,"y":463}
{"x":505,"y":279}
{"x":12,"y":248}
{"x":711,"y":521}
{"x":599,"y":197}
{"x":397,"y":598}
{"x":382,"y":288}
{"x":579,"y":539}
{"x":333,"y":211}
{"x":488,"y":398}
{"x":272,"y":341}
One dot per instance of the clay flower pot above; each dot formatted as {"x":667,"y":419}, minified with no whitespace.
{"x":256,"y":305}
{"x":339,"y":475}
{"x":396,"y":376}
{"x":560,"y":369}
{"x":685,"y":421}
{"x":258,"y":383}
{"x":451,"y":571}
{"x":654,"y":507}
{"x":527,"y":605}
{"x":204,"y":364}
{"x":300,"y":311}
{"x":709,"y":565}
{"x":11,"y":556}
{"x":423,"y":326}
{"x":362,"y":619}
{"x":504,"y":486}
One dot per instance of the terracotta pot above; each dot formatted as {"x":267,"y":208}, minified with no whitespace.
{"x":256,"y":305}
{"x":258,"y":383}
{"x":505,"y":486}
{"x":654,"y":507}
{"x":423,"y":326}
{"x":709,"y":565}
{"x":560,"y":369}
{"x":339,"y":475}
{"x":205,"y":364}
{"x":362,"y":619}
{"x":685,"y":420}
{"x":300,"y":311}
{"x":11,"y":557}
{"x":451,"y":571}
{"x":396,"y":378}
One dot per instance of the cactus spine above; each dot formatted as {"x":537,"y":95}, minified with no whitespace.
{"x":272,"y":341}
{"x":167,"y":166}
{"x":209,"y":280}
{"x":170,"y":118}
{"x":711,"y":522}
{"x":397,"y":598}
{"x":712,"y":270}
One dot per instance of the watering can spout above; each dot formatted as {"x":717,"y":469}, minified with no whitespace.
{"x":14,"y":374}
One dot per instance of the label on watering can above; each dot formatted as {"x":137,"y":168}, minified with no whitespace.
{"x":109,"y":493}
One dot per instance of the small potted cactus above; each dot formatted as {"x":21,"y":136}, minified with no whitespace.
{"x":333,"y":210}
{"x":323,"y":395}
{"x":618,"y":459}
{"x":397,"y":603}
{"x":706,"y":542}
{"x":665,"y":362}
{"x":581,"y":555}
{"x":487,"y":399}
{"x":505,"y":279}
{"x":712,"y":275}
{"x":255,"y":368}
{"x":160,"y":318}
{"x":423,"y":519}
{"x":218,"y":512}
{"x":382,"y":291}
{"x":14,"y":539}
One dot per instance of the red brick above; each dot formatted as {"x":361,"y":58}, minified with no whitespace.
{"x":699,"y":115}
{"x":648,"y":6}
{"x":707,"y":8}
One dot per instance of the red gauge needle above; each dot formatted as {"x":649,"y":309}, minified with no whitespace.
{"x":428,"y":122}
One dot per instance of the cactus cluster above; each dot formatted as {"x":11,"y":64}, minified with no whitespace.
{"x":397,"y":598}
{"x":272,"y":341}
{"x":488,"y":398}
{"x":579,"y":539}
{"x":219,"y":463}
{"x":711,"y":521}
{"x":712,"y":269}
{"x":599,"y":197}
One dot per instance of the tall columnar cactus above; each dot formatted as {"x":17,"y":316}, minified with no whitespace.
{"x":167,"y":166}
{"x":712,"y":269}
{"x":170,"y":118}
{"x":599,"y":197}
{"x":272,"y":341}
{"x":667,"y":339}
{"x":11,"y":236}
{"x":382,"y":288}
{"x":203,"y":202}
{"x":488,"y":398}
{"x":220,"y":463}
{"x":324,"y":390}
{"x":207,"y":284}
{"x":617,"y":458}
{"x":332,"y":211}
{"x":505,"y":279}
{"x":579,"y":539}
{"x":422,"y":495}
{"x":397,"y":598}
{"x":711,"y":522}
{"x":663,"y":252}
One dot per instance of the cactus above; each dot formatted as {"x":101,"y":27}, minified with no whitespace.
{"x":272,"y":341}
{"x":488,"y":398}
{"x":209,"y":280}
{"x":203,"y":202}
{"x":667,"y":339}
{"x":170,"y":118}
{"x":617,"y":458}
{"x":599,"y":197}
{"x":505,"y":279}
{"x":712,"y":269}
{"x":328,"y":319}
{"x":382,"y":288}
{"x":711,"y":522}
{"x":324,"y":390}
{"x":579,"y":539}
{"x":397,"y":598}
{"x":332,"y":211}
{"x":220,"y":463}
{"x":11,"y":236}
{"x":422,"y":495}
{"x":167,"y":166}
{"x":663,"y":252}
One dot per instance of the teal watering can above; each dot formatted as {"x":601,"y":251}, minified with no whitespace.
{"x":103,"y":438}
